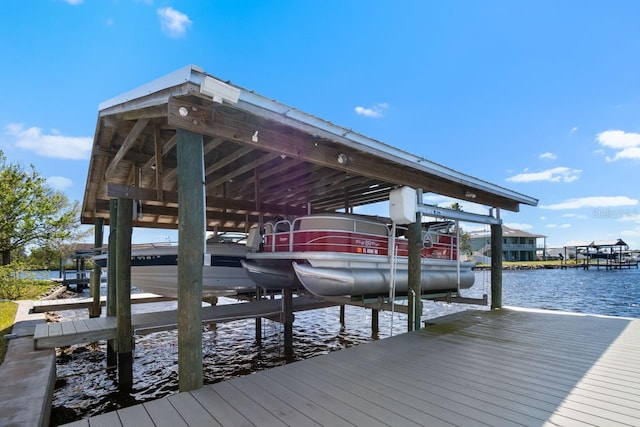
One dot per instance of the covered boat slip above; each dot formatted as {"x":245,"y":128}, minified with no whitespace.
{"x":192,"y":152}
{"x":500,"y":368}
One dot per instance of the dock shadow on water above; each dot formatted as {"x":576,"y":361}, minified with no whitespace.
{"x":85,"y":387}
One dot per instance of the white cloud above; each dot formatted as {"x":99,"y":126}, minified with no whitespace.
{"x":53,"y":144}
{"x":574,"y":129}
{"x":548,"y":155}
{"x":632,"y":216}
{"x":625,"y":144}
{"x":59,"y":182}
{"x":558,"y":226}
{"x":375,"y":111}
{"x":573,"y":215}
{"x":173,"y":22}
{"x":598,"y":202}
{"x":73,"y":2}
{"x":559,"y":174}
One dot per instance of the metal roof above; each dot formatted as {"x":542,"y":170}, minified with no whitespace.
{"x":259,"y":154}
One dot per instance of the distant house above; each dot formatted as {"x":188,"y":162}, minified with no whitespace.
{"x":517,"y":245}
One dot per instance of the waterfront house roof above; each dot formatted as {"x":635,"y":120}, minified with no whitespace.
{"x":506,"y":232}
{"x":261,"y":157}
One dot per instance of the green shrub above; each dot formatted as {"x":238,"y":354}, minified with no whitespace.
{"x":15,"y":283}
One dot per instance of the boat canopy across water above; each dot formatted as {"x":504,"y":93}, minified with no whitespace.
{"x":342,"y":254}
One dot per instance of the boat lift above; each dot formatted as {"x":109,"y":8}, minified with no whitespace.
{"x":406,"y":207}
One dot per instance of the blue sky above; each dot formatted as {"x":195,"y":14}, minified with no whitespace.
{"x":541,"y":97}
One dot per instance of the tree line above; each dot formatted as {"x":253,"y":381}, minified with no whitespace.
{"x":39,"y":226}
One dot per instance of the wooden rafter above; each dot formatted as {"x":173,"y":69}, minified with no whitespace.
{"x":131,"y":138}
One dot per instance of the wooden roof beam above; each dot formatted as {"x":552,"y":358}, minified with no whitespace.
{"x":131,"y":138}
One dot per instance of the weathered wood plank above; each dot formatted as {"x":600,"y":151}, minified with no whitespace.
{"x":135,"y":416}
{"x":252,"y":411}
{"x":80,"y":303}
{"x":55,"y":329}
{"x":301,"y":403}
{"x":164,"y":414}
{"x":355,"y":416}
{"x":285,"y":412}
{"x":224,"y":413}
{"x":192,"y":411}
{"x":109,"y":419}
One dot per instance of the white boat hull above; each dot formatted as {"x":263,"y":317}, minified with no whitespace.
{"x":155,"y":270}
{"x":216,"y":281}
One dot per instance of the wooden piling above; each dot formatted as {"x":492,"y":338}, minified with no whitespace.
{"x":287,"y":313}
{"x":123,"y":295}
{"x":191,"y":242}
{"x":496,"y":266}
{"x":258,"y":319}
{"x":342,"y":322}
{"x":375,"y":322}
{"x":112,"y":358}
{"x":95,"y":309}
{"x":415,"y":289}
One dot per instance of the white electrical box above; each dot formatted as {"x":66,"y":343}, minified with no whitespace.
{"x":403,"y":204}
{"x":219,"y":91}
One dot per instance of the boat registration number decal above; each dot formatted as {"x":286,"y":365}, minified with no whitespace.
{"x":367,"y":246}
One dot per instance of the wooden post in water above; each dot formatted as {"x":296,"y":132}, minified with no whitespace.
{"x":112,"y":358}
{"x":496,"y":266}
{"x":287,"y":313}
{"x":374,"y":322}
{"x":415,"y":273}
{"x":342,"y":322}
{"x":123,"y":295}
{"x":258,"y":319}
{"x":95,"y":309}
{"x":191,"y":243}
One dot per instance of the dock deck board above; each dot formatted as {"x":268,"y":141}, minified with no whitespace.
{"x":60,"y":334}
{"x":62,"y":304}
{"x":500,"y":368}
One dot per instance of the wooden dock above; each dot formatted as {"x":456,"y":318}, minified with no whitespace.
{"x":44,"y":306}
{"x":498,"y":368}
{"x":60,"y":334}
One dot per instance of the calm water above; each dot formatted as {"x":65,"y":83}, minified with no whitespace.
{"x":86,"y":388}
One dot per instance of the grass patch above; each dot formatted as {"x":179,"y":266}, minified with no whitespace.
{"x":7,"y":315}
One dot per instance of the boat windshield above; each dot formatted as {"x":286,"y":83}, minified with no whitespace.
{"x":228,"y":238}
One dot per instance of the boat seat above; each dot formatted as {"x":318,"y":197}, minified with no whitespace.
{"x":254,"y":239}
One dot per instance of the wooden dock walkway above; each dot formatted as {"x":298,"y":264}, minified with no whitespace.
{"x":79,"y":303}
{"x":28,"y":376}
{"x":60,"y":334}
{"x":498,"y":368}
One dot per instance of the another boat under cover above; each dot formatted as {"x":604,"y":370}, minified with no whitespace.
{"x":155,"y":270}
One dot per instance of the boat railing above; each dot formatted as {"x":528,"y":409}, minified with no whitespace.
{"x":284,"y":236}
